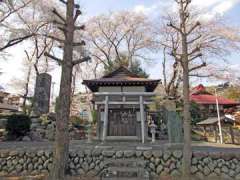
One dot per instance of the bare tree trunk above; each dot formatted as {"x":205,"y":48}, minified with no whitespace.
{"x":164,"y":70}
{"x":187,"y":149}
{"x":188,"y":52}
{"x":26,"y":87}
{"x":74,"y":79}
{"x":25,"y":96}
{"x":62,"y":134}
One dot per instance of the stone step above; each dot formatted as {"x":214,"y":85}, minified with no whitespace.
{"x":127,"y":172}
{"x":124,"y":169}
{"x":122,"y":178}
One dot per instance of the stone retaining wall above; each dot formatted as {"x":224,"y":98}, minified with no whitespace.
{"x":95,"y":162}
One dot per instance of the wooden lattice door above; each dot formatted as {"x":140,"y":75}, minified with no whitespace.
{"x":122,"y":122}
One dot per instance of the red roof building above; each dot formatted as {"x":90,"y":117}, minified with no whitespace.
{"x":200,"y":95}
{"x":207,"y":100}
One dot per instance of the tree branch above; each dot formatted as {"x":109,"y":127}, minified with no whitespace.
{"x":197,"y":49}
{"x":13,"y":10}
{"x":194,"y":57}
{"x":195,"y":39}
{"x":82,"y":43}
{"x":58,"y":23}
{"x":64,"y":2}
{"x":54,"y":38}
{"x":193,"y":28}
{"x":174,"y":27}
{"x":198,"y":67}
{"x":59,"y":16}
{"x":199,"y":75}
{"x":82,"y":27}
{"x":15,"y":41}
{"x":78,"y":12}
{"x":63,"y":30}
{"x":79,"y":61}
{"x":59,"y":61}
{"x":187,"y":2}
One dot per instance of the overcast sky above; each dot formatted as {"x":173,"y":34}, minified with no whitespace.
{"x":152,"y":8}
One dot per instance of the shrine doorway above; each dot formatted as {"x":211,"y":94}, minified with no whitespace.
{"x":122,"y":122}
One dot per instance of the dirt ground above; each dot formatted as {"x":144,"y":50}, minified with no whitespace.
{"x":84,"y":178}
{"x":41,"y":178}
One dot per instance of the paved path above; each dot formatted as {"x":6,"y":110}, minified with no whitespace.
{"x":197,"y":146}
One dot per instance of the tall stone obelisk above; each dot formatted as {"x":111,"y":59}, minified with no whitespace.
{"x":42,"y":93}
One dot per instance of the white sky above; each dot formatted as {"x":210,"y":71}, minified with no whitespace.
{"x":12,"y":67}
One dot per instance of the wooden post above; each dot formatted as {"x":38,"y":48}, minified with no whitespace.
{"x":204,"y":132}
{"x":232,"y":134}
{"x":105,"y":123}
{"x":215,"y":133}
{"x":142,"y":118}
{"x":98,"y":122}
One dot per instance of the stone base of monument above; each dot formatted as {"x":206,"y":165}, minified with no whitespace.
{"x":44,"y":127}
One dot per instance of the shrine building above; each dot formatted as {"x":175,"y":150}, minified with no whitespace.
{"x":120,"y":99}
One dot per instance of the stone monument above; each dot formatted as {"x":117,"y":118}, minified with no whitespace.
{"x":174,"y":122}
{"x":42,"y":94}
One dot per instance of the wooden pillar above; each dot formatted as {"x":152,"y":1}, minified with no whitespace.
{"x":232,"y":134}
{"x":204,"y":132}
{"x":142,"y":118}
{"x":105,"y":123}
{"x":215,"y":133}
{"x":124,"y":98}
{"x":98,"y":122}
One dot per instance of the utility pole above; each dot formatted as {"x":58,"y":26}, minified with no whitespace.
{"x":219,"y":119}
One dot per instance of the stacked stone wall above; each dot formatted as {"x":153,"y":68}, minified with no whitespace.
{"x":95,"y":162}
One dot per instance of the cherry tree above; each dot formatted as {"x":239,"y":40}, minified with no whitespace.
{"x":10,"y":35}
{"x":25,"y":83}
{"x":112,"y":35}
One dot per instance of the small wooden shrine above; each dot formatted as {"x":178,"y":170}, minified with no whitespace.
{"x":121,"y":100}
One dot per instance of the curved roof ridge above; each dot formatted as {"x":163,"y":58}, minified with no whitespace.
{"x":122,"y":69}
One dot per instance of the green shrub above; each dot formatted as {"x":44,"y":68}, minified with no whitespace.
{"x":18,"y":125}
{"x":44,"y":119}
{"x":94,"y":116}
{"x":196,"y":113}
{"x":77,"y":121}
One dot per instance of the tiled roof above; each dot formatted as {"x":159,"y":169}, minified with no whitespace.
{"x":210,"y":121}
{"x":200,"y":95}
{"x":121,"y":77}
{"x":200,"y":89}
{"x":214,"y":121}
{"x":211,"y":99}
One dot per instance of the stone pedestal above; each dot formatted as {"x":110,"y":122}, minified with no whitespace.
{"x":42,"y":94}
